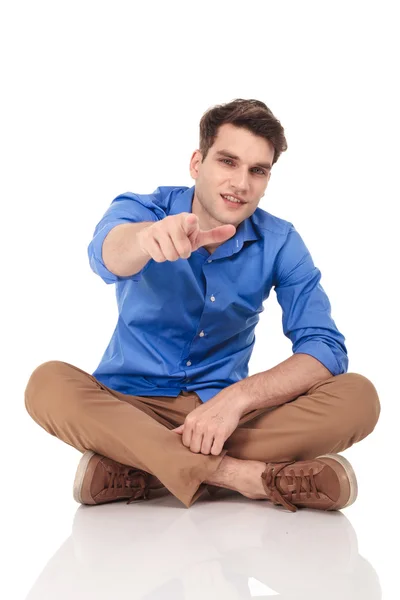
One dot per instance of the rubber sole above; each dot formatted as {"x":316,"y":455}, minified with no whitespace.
{"x":80,"y":475}
{"x":350,"y":474}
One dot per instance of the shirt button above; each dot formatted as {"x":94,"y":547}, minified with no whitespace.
{"x":209,"y":260}
{"x":212,"y":299}
{"x":188,"y":363}
{"x":201,"y":334}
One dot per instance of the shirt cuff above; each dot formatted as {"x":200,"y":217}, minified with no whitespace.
{"x":325,"y":355}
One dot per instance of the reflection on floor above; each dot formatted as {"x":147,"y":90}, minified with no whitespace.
{"x":229,"y":547}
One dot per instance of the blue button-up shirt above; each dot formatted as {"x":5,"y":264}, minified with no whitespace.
{"x":189,"y":324}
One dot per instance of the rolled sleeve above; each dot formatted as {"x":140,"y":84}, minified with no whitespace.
{"x":306,"y":310}
{"x":124,"y":209}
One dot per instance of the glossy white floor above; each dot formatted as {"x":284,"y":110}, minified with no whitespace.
{"x":231,"y":547}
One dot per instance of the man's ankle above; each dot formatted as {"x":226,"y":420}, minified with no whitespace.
{"x":234,"y":474}
{"x":226,"y":474}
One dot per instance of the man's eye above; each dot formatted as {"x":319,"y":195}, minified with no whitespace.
{"x":261,"y":171}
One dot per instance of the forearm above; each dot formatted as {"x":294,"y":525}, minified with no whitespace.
{"x":284,"y":382}
{"x":121,"y":253}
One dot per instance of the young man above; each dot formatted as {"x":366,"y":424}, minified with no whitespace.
{"x":171,"y":404}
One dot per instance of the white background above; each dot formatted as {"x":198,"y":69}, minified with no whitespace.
{"x":99,"y":98}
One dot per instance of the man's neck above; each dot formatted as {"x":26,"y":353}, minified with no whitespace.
{"x":211,"y":249}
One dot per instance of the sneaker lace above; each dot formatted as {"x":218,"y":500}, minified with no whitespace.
{"x":129,"y":479}
{"x":302,"y":483}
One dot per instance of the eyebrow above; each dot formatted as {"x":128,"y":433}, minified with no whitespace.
{"x":229,"y":155}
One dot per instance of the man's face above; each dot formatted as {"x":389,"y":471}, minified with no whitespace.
{"x":219,"y":174}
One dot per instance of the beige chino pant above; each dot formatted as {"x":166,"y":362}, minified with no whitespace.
{"x":135,"y":430}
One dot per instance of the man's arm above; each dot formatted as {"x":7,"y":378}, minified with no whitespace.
{"x":318,"y":347}
{"x":121,"y":253}
{"x":284,"y":382}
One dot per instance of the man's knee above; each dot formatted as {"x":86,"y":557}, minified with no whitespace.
{"x":363,"y":401}
{"x":41,"y":385}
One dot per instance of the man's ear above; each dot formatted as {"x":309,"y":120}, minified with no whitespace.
{"x":194,"y":164}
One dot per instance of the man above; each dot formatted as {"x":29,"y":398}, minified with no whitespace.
{"x":171,"y":404}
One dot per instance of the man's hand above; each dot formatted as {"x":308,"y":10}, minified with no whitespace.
{"x":208,"y":426}
{"x":177,"y":236}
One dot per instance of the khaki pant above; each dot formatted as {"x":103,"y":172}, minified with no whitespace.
{"x":135,"y":430}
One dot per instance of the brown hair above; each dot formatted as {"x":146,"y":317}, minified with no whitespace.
{"x":251,"y":114}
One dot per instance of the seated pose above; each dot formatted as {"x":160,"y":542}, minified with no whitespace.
{"x":171,"y":406}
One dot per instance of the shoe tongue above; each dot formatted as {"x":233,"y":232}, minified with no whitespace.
{"x":120,"y":478}
{"x":287,"y":483}
{"x":134,"y":479}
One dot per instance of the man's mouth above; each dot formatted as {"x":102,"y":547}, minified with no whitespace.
{"x":232,"y":200}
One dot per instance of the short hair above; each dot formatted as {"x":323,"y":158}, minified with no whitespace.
{"x":252,"y":115}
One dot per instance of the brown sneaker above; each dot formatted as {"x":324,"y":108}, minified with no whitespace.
{"x":100,"y":479}
{"x":327,"y":482}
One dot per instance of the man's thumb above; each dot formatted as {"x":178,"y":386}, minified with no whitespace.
{"x":178,"y":429}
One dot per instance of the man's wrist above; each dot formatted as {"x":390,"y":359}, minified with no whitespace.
{"x":244,"y":395}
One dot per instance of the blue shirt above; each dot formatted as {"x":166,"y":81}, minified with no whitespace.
{"x":189,"y":324}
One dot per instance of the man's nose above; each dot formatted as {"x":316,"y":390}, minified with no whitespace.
{"x":241,"y":181}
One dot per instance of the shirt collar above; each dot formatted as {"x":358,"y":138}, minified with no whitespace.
{"x":246,"y":231}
